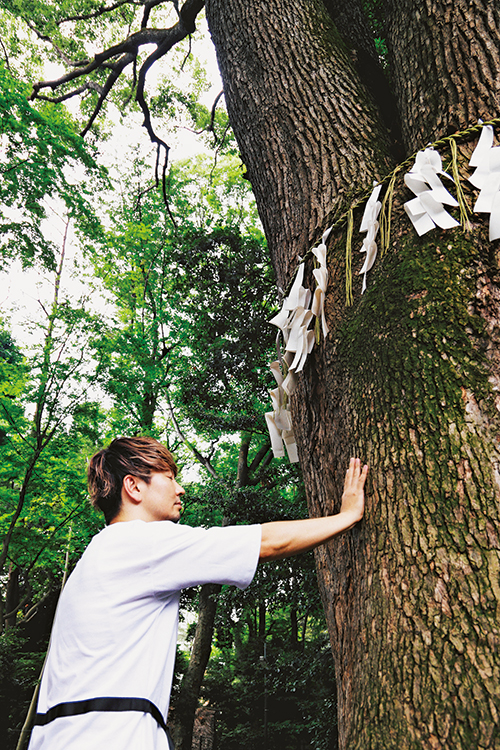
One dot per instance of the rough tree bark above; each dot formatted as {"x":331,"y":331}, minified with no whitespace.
{"x":445,"y":62}
{"x":306,"y":128}
{"x":409,"y":377}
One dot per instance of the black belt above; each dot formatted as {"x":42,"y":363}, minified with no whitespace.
{"x":75,"y":708}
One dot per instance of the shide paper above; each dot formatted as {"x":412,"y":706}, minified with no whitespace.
{"x":296,"y":323}
{"x":370,"y":225}
{"x":301,"y":308}
{"x":486,"y":159}
{"x":426,"y":210}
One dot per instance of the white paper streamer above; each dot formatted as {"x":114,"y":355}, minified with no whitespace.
{"x":370,"y":225}
{"x":486,"y":159}
{"x":295,"y":320}
{"x":279,"y":421}
{"x":426,"y":210}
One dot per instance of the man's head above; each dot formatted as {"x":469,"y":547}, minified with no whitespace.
{"x":138,"y":457}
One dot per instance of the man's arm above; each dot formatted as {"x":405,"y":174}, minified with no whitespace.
{"x":285,"y":538}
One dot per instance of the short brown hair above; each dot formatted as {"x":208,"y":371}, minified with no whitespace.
{"x":138,"y":456}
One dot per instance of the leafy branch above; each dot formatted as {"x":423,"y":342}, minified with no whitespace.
{"x":114,"y":60}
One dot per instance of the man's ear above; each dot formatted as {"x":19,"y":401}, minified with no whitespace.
{"x":131,"y":489}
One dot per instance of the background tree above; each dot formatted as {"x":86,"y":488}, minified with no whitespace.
{"x":48,"y":428}
{"x":279,"y":695}
{"x":46,"y":169}
{"x":269,"y":678}
{"x":44,"y":395}
{"x":179,"y":345}
{"x":408,"y":376}
{"x":170,"y":278}
{"x":41,"y":153}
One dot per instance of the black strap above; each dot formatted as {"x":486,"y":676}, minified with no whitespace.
{"x":75,"y":708}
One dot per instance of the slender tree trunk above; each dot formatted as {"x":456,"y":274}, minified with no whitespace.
{"x":39,"y":432}
{"x":242,"y":471}
{"x":148,"y":407}
{"x":294,"y":628}
{"x":409,"y":377}
{"x":262,"y":610}
{"x":187,"y":702}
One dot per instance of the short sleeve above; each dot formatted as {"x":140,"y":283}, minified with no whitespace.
{"x":182,"y":556}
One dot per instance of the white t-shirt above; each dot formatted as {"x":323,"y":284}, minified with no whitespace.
{"x":115,"y":630}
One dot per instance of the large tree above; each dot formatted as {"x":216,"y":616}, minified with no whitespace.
{"x":408,"y":375}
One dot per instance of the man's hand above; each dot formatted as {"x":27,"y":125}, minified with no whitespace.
{"x":284,"y":538}
{"x":353,"y":497}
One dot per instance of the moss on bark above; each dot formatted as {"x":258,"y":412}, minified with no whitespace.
{"x":413,"y":595}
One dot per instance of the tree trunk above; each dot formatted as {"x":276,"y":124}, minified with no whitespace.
{"x":285,"y":70}
{"x":445,"y":59}
{"x":294,"y":628}
{"x":412,"y":597}
{"x":408,"y":378}
{"x":187,"y":702}
{"x":262,"y":612}
{"x":148,"y":406}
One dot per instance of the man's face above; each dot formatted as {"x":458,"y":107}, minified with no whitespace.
{"x":161,"y":498}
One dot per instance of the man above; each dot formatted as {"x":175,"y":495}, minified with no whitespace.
{"x":109,"y":670}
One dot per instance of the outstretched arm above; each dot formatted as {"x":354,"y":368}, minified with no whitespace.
{"x":285,"y":538}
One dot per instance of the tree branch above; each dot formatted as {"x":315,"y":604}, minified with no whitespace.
{"x":210,"y":127}
{"x":164,"y":39}
{"x":100,"y":12}
{"x":127,"y":51}
{"x":76,"y":512}
{"x":134,"y":83}
{"x":21,"y":604}
{"x":112,"y":78}
{"x":148,"y":7}
{"x":259,"y":456}
{"x":18,"y":510}
{"x":7,"y":62}
{"x":185,"y":26}
{"x":34,"y":609}
{"x":129,"y":45}
{"x":213,"y":110}
{"x":90,"y":85}
{"x":46,"y":38}
{"x":199,"y":456}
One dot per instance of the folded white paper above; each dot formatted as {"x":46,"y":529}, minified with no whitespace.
{"x":486,"y":177}
{"x":370,"y":225}
{"x":426,"y":210}
{"x":295,"y":321}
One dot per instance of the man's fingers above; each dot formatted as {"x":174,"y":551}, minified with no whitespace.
{"x":355,"y":475}
{"x":353,"y":465}
{"x":362,"y":475}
